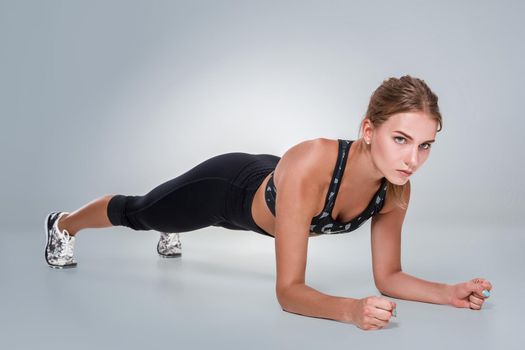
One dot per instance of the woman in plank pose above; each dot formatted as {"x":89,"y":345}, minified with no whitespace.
{"x":318,"y":187}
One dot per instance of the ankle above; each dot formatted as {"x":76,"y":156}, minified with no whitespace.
{"x":62,"y":224}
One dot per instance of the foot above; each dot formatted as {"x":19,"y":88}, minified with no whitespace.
{"x":169,"y":245}
{"x":59,"y":244}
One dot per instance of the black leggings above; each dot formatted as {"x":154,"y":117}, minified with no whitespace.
{"x":216,"y":192}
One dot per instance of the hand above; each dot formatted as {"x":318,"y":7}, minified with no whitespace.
{"x":372,"y":312}
{"x":470,"y":294}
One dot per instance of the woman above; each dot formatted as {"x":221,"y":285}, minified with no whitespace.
{"x":319,"y":186}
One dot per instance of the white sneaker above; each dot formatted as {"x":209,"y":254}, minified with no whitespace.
{"x":169,"y":245}
{"x":59,"y":244}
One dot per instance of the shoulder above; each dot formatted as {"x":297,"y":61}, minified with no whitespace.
{"x":300,"y":178}
{"x":312,"y":148}
{"x":311,"y":160}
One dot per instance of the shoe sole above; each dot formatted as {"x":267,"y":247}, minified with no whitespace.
{"x":177,"y":255}
{"x":46,"y":230}
{"x":61,"y":266}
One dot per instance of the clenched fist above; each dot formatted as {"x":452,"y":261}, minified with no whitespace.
{"x":470,"y":294}
{"x":372,"y":312}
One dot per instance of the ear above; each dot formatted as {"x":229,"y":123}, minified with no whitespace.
{"x":367,"y":129}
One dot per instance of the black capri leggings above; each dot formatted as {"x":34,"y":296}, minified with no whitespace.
{"x":216,"y":192}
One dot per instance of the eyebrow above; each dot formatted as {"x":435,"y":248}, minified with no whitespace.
{"x":410,"y":137}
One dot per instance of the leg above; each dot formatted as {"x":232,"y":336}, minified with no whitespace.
{"x":185,"y":203}
{"x":61,"y":227}
{"x":91,"y":215}
{"x":173,"y":206}
{"x":193,"y":200}
{"x":213,"y":193}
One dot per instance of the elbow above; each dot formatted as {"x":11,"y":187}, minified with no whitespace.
{"x":383,"y":292}
{"x":380,"y":289}
{"x":284,"y":297}
{"x":379,"y":285}
{"x":280,"y":292}
{"x":383,"y":283}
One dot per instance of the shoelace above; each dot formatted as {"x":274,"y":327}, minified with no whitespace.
{"x":171,"y":240}
{"x":65,"y":246}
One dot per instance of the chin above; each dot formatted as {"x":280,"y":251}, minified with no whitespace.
{"x":397,"y":179}
{"x":398,"y":182}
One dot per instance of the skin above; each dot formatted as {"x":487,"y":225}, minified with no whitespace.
{"x":363,"y":171}
{"x":302,"y":177}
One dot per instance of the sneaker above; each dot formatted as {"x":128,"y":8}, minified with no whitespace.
{"x":169,"y":245}
{"x":60,"y":245}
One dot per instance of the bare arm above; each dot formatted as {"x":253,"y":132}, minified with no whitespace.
{"x":295,"y":206}
{"x":386,"y":260}
{"x":403,"y":286}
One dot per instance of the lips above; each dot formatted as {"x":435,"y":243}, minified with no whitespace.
{"x":406,"y":172}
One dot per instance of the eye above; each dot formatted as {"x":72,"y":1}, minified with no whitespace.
{"x":399,"y":138}
{"x":426,"y":145}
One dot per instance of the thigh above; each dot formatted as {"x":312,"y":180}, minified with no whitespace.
{"x":193,"y":200}
{"x":176,"y":206}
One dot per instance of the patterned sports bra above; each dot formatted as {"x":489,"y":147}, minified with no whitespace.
{"x":323,"y":223}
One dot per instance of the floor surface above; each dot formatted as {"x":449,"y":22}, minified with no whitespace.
{"x":220,"y":293}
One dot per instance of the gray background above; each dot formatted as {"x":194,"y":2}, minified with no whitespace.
{"x":107,"y":97}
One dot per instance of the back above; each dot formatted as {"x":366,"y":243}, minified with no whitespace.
{"x":310,"y":162}
{"x":314,"y":159}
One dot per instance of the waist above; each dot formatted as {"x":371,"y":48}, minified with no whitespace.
{"x":255,"y":170}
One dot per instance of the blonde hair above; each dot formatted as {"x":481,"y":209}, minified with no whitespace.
{"x":406,"y":94}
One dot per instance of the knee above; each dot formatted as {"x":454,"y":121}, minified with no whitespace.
{"x":116,"y":209}
{"x":107,"y":197}
{"x":135,"y":212}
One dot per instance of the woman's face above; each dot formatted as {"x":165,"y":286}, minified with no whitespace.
{"x":401,"y":143}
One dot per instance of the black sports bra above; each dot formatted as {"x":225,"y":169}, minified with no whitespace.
{"x":323,"y":223}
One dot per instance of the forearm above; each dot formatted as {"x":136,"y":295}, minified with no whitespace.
{"x":304,"y":300}
{"x":403,"y":286}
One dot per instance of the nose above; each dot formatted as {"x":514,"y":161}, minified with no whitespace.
{"x":412,"y":158}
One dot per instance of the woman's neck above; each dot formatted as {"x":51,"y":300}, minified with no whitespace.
{"x":360,"y":169}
